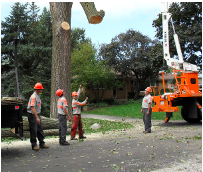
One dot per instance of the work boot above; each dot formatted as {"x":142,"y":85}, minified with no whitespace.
{"x":83,"y":137}
{"x":64,"y":143}
{"x":145,"y":132}
{"x":73,"y":138}
{"x":35,"y":148}
{"x":44,"y":146}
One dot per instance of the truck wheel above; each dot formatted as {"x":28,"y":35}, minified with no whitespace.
{"x":184,"y":114}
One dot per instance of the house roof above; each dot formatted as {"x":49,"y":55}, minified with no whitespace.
{"x":167,"y":76}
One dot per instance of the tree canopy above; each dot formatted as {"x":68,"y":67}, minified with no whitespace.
{"x":134,"y":56}
{"x":187,"y":20}
{"x":34,"y":51}
{"x":90,"y":71}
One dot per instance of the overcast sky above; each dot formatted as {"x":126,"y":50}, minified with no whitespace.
{"x":119,"y":17}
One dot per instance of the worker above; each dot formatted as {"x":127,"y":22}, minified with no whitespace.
{"x":147,"y":110}
{"x":77,"y":123}
{"x":63,"y":116}
{"x":35,"y":124}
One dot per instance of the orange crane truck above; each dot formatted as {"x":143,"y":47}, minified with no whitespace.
{"x":186,"y":90}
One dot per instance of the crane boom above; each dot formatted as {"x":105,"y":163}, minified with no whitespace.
{"x":178,"y":64}
{"x":185,"y":92}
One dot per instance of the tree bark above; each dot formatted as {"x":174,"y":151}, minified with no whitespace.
{"x":61,"y":54}
{"x":93,"y":16}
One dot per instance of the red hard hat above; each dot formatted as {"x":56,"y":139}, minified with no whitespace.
{"x":148,"y":89}
{"x":74,"y":94}
{"x":59,"y":92}
{"x":38,"y":86}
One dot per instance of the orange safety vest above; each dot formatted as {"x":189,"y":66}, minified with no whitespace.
{"x":61,"y":105}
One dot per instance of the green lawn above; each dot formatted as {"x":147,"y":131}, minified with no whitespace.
{"x":87,"y":123}
{"x":132,"y":111}
{"x":105,"y":125}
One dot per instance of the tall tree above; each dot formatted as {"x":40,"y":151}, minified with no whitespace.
{"x":134,"y":55}
{"x":61,"y":53}
{"x":187,"y":20}
{"x":34,"y":52}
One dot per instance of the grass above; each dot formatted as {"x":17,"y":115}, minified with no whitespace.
{"x":131,"y":111}
{"x":105,"y":125}
{"x":87,"y":123}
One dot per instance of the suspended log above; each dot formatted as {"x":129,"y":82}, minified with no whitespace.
{"x":93,"y":16}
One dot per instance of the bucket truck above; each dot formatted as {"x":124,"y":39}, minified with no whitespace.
{"x":186,"y":90}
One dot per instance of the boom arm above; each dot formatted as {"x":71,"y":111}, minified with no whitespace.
{"x":178,"y":64}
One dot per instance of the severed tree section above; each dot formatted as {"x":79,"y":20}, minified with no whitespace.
{"x":93,"y":16}
{"x":50,"y":128}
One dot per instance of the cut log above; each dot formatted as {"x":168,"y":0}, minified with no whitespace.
{"x":26,"y":134}
{"x":50,"y":128}
{"x":93,"y":16}
{"x":47,"y":123}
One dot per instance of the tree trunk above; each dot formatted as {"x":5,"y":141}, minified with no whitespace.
{"x":26,"y":134}
{"x":61,"y":54}
{"x":50,"y":128}
{"x":137,"y":90}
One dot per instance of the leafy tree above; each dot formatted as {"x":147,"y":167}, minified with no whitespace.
{"x":91,"y":71}
{"x":78,"y":37}
{"x":187,"y":20}
{"x":134,"y":55}
{"x":34,"y":51}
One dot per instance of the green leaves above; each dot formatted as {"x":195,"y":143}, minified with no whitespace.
{"x":133,"y":56}
{"x":91,"y":71}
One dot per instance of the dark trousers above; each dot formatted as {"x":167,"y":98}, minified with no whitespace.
{"x":36,"y":130}
{"x":77,"y":123}
{"x":147,"y":119}
{"x":62,"y":128}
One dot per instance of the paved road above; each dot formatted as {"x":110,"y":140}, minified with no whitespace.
{"x":123,"y":150}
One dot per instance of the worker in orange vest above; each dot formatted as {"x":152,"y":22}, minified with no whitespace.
{"x":63,"y":116}
{"x":77,"y":123}
{"x":34,"y":110}
{"x":147,"y":110}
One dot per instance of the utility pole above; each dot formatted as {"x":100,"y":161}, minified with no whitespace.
{"x":16,"y":40}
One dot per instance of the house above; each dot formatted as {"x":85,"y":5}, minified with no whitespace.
{"x":121,"y":93}
{"x":168,"y":77}
{"x":118,"y":93}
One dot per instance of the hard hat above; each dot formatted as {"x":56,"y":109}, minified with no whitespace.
{"x":148,"y":89}
{"x":38,"y":86}
{"x":74,"y":94}
{"x":59,"y":92}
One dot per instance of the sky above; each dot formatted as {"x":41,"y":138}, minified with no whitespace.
{"x":120,"y":16}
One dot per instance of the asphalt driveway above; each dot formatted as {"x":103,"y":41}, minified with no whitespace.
{"x":123,"y":150}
